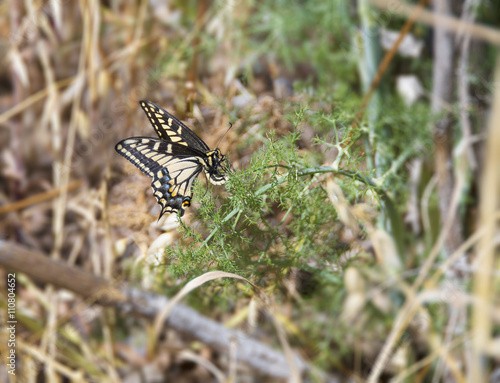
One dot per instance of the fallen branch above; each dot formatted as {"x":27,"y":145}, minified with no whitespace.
{"x":145,"y":304}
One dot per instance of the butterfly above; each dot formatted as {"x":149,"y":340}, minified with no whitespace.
{"x":173,"y":160}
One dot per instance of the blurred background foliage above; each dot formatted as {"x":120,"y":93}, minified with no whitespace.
{"x":337,"y":207}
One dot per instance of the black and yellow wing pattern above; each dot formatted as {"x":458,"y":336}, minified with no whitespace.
{"x":173,"y":160}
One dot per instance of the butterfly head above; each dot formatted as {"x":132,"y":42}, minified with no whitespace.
{"x":217,"y":167}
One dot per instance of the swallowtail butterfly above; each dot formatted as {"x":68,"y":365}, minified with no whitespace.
{"x":173,"y":160}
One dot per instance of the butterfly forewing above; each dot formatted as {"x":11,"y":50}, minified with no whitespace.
{"x":170,"y":128}
{"x":174,"y":160}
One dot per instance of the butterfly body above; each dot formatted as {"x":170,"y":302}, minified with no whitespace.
{"x":174,"y":160}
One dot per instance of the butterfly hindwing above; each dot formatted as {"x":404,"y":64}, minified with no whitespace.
{"x":170,"y":128}
{"x":173,"y":168}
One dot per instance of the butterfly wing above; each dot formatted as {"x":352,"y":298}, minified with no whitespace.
{"x":170,"y":128}
{"x":173,"y":167}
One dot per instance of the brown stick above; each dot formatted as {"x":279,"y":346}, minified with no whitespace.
{"x":442,"y":91}
{"x":132,"y":301}
{"x":192,"y":74}
{"x":46,"y":270}
{"x":384,"y":64}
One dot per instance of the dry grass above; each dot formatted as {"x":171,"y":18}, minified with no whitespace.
{"x":71,"y":77}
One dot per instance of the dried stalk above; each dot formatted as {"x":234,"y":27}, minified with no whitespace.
{"x":148,"y":305}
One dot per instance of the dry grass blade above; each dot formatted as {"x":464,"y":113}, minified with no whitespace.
{"x":42,"y":357}
{"x":457,"y":26}
{"x":32,"y":99}
{"x":213,"y":275}
{"x":192,"y":357}
{"x":190,"y":286}
{"x":18,"y":205}
{"x":408,"y":310}
{"x":486,"y":250}
{"x":429,"y":359}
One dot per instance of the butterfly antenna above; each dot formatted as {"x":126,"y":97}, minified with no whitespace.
{"x":230,"y":126}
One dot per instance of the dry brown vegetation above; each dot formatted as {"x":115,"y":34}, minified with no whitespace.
{"x":414,"y":301}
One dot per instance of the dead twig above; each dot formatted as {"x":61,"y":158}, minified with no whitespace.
{"x":148,"y":305}
{"x":382,"y":68}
